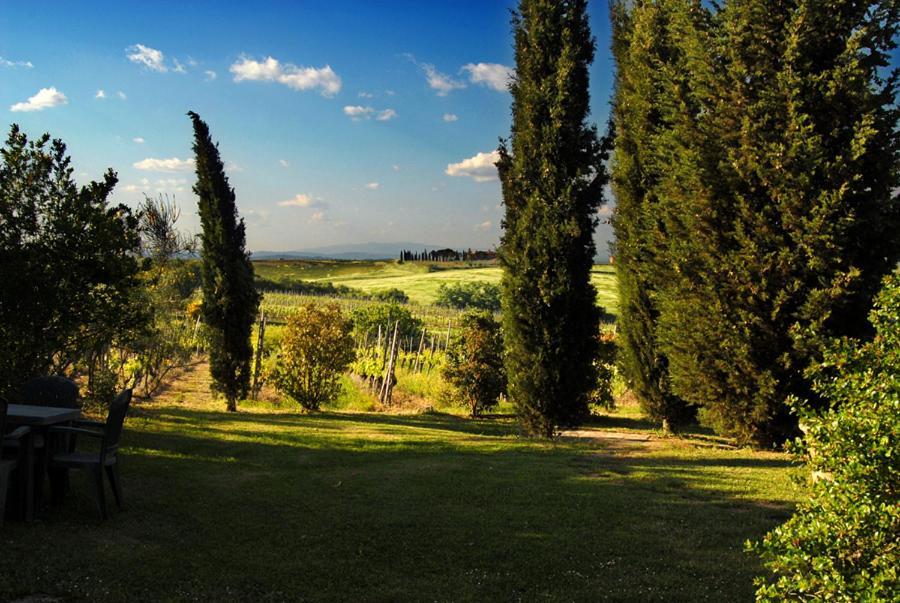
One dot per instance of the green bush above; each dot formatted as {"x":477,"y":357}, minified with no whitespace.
{"x":474,"y":364}
{"x":476,"y":296}
{"x":390,"y":295}
{"x":316,"y":348}
{"x":368,"y":319}
{"x":843,"y":543}
{"x":602,"y":397}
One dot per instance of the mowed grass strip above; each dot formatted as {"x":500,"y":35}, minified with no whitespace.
{"x":276,"y":505}
{"x":419,"y":280}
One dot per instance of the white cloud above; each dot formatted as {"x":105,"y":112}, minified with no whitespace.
{"x":373,"y":186}
{"x":441,"y":82}
{"x":179,"y":68}
{"x":210,"y":75}
{"x":137,"y":140}
{"x":14,"y":64}
{"x":121,"y":95}
{"x":173,"y":164}
{"x":357,"y":112}
{"x":492,"y":75}
{"x":302,"y":200}
{"x":130,"y":188}
{"x":46,"y":98}
{"x":395,"y":167}
{"x":450,"y":117}
{"x":100,"y":94}
{"x":283,"y":163}
{"x":480,"y":168}
{"x":486,"y":225}
{"x":150,"y":58}
{"x":317,"y":217}
{"x":297,"y":78}
{"x":233,"y":168}
{"x":390,"y":92}
{"x":386,"y":115}
{"x":365,"y":94}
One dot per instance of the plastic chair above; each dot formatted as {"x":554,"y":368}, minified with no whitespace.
{"x":95,"y":463}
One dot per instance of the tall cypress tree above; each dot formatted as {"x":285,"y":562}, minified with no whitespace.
{"x":646,"y":50}
{"x":779,"y":204}
{"x":230,"y":300}
{"x":552,"y":176}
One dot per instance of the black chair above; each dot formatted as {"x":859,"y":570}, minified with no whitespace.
{"x":17,"y":441}
{"x":54,"y":391}
{"x":95,"y":463}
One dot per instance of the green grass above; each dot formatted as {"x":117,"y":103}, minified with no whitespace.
{"x":420,"y":281}
{"x":271,"y":504}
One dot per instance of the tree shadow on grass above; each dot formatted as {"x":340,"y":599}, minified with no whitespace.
{"x":369,"y":520}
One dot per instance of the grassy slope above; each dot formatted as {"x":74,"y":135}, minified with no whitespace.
{"x":413,"y":278}
{"x":272,"y":505}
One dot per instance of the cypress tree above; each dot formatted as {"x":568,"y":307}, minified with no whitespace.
{"x":230,"y":300}
{"x":646,"y":61}
{"x":552,"y":175}
{"x":779,"y":204}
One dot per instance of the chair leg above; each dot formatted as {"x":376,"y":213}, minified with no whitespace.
{"x":4,"y":483}
{"x":97,"y":474}
{"x":115,"y":480}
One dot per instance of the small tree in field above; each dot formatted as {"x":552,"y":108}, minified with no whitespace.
{"x":316,"y":348}
{"x":474,"y":363}
{"x":230,"y":300}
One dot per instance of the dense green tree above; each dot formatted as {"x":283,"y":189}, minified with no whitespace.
{"x":68,"y":263}
{"x":552,"y":176}
{"x":230,"y":301}
{"x":779,"y":203}
{"x":646,"y":58}
{"x":474,"y":363}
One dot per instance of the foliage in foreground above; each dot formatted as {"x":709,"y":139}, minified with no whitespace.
{"x":230,"y":300}
{"x":316,"y":348}
{"x":552,"y":177}
{"x":474,"y":362}
{"x":843,"y":544}
{"x":68,"y":264}
{"x":473,"y":296}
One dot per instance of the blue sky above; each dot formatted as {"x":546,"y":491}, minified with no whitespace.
{"x":358,"y":131}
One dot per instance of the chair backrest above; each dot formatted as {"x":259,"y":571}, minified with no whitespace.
{"x":118,"y":408}
{"x":50,"y":391}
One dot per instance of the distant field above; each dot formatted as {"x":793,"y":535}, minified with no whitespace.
{"x":420,"y":281}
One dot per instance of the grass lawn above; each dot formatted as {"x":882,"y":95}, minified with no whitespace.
{"x":271,"y":504}
{"x":416,"y":279}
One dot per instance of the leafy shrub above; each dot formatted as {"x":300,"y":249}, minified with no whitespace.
{"x":390,"y":295}
{"x":315,"y":349}
{"x":478,"y":296}
{"x":843,"y":543}
{"x":385,"y":316}
{"x":474,"y":364}
{"x":602,"y":396}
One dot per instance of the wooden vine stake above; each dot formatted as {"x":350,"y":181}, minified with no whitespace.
{"x":257,"y":364}
{"x":387,"y":385}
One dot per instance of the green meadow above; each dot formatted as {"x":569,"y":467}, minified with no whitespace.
{"x":419,"y":280}
{"x":272,"y":504}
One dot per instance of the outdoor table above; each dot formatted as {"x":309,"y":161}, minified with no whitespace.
{"x":39,"y":418}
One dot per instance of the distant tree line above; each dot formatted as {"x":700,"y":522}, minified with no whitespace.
{"x":447,"y":255}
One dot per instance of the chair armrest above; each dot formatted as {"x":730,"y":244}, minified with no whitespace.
{"x":17,"y":434}
{"x":76,"y":430}
{"x":88,"y":423}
